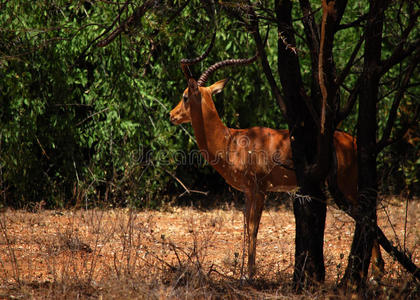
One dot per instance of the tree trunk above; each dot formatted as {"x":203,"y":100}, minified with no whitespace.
{"x":360,"y":253}
{"x":309,"y":240}
{"x":309,"y":214}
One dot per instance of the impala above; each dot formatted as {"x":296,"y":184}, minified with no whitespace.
{"x":255,"y":160}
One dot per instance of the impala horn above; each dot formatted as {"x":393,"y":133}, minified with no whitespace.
{"x":224,"y":63}
{"x":228,"y":62}
{"x":186,"y":62}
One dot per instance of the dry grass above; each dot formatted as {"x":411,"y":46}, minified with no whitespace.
{"x":182,"y":253}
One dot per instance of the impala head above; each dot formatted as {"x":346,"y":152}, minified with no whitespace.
{"x":181,"y":113}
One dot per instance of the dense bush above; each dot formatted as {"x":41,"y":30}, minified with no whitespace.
{"x":83,"y":125}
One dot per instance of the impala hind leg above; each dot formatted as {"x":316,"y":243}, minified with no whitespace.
{"x":253,"y":210}
{"x":378,"y":264}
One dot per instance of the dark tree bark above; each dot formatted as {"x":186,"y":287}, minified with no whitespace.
{"x":303,"y":121}
{"x":312,"y":124}
{"x":365,"y":214}
{"x":309,"y":215}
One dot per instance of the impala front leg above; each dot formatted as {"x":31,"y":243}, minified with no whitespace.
{"x":253,"y":210}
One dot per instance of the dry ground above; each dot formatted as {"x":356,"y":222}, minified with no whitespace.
{"x":181,"y":253}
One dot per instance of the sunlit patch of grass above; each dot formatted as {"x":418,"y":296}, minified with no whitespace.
{"x":184,"y":253}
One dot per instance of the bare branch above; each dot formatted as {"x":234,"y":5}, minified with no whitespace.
{"x":310,"y":107}
{"x":134,"y":19}
{"x":187,"y":190}
{"x":401,"y":257}
{"x":108,"y":29}
{"x":308,"y":13}
{"x":255,"y":31}
{"x":350,"y":63}
{"x":312,"y":33}
{"x":401,"y":52}
{"x":288,"y":66}
{"x":399,"y":55}
{"x":345,"y":111}
{"x":355,"y":23}
{"x":331,"y":16}
{"x":385,"y":140}
{"x":325,"y":49}
{"x":91,"y":116}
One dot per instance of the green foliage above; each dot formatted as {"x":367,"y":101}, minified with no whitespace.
{"x":74,"y":126}
{"x":83,"y":125}
{"x":89,"y":126}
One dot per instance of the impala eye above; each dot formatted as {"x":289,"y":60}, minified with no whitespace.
{"x":185,"y":98}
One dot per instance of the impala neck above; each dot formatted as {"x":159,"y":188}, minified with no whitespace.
{"x":209,"y":129}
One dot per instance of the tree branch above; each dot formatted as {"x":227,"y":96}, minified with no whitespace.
{"x":331,"y":17}
{"x":238,"y":11}
{"x":401,"y":257}
{"x":354,"y":23}
{"x":307,"y":11}
{"x":385,"y":140}
{"x":345,"y":111}
{"x":350,"y":63}
{"x":254,"y":28}
{"x":400,"y":53}
{"x":288,"y":68}
{"x":332,"y":12}
{"x":312,"y":34}
{"x":134,"y":19}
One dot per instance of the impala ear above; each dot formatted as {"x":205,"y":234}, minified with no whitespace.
{"x":217,"y":87}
